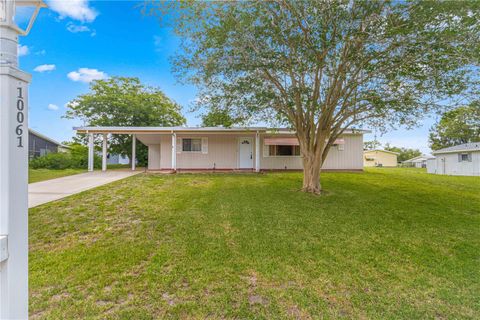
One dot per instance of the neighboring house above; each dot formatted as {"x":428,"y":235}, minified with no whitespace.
{"x":418,"y":162}
{"x":217,"y":148}
{"x":114,"y":158}
{"x":461,"y":160}
{"x":379,"y":158}
{"x":39,"y":145}
{"x":117,"y":159}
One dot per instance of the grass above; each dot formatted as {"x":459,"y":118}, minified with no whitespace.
{"x":37,"y":175}
{"x":385,"y":244}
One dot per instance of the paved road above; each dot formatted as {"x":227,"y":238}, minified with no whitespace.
{"x":50,"y":190}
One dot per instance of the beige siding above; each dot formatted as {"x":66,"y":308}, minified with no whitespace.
{"x":348,"y":159}
{"x":154,"y":157}
{"x":378,"y":157}
{"x":166,"y":152}
{"x":223,"y":153}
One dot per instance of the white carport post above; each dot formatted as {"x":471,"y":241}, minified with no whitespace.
{"x":174,"y":151}
{"x":134,"y":151}
{"x":90,"y":152}
{"x":104,"y":153}
{"x":257,"y":152}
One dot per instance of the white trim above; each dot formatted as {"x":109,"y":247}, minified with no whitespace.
{"x":245,"y":130}
{"x":174,"y":151}
{"x":196,"y":138}
{"x":134,"y":152}
{"x":104,"y":152}
{"x":257,"y":152}
{"x":456,"y":151}
{"x":90,"y":152}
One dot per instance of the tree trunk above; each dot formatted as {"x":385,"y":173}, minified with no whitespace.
{"x":311,"y":174}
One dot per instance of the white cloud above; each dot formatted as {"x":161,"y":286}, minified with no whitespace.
{"x":22,"y":50}
{"x":41,"y":52}
{"x":74,"y":9}
{"x":52,"y":107}
{"x":77,"y":28}
{"x":86,"y":75}
{"x":44,"y":68}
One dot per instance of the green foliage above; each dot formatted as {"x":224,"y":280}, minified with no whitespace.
{"x":77,"y":158}
{"x":122,"y":101}
{"x":371,"y":145}
{"x":220,"y":117}
{"x":461,"y":125}
{"x":321,"y":67}
{"x":403,"y":153}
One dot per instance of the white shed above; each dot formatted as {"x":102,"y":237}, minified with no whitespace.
{"x":418,"y":162}
{"x":460,"y":160}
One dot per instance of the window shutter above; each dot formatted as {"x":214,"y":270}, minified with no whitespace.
{"x":205,"y":145}
{"x":459,"y":157}
{"x":179,"y":145}
{"x":469,"y":157}
{"x":266,"y":150}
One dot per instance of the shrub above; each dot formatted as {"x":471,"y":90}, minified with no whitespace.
{"x":77,"y":158}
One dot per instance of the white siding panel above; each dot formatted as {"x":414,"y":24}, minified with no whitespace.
{"x":448,"y":164}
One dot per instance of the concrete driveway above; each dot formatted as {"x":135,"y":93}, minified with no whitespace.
{"x":50,"y":190}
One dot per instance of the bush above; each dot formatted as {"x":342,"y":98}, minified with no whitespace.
{"x":77,"y":158}
{"x":52,"y":161}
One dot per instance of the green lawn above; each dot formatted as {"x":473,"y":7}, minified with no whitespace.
{"x":385,"y":244}
{"x":36,"y":175}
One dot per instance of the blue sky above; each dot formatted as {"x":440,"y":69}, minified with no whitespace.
{"x":75,"y":41}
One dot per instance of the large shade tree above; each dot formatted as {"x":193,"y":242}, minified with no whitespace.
{"x":124,"y":101}
{"x":322,"y":67}
{"x":457,"y":126}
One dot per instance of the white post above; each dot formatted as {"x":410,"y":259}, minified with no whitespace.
{"x":174,"y":151}
{"x":257,"y":152}
{"x":13,"y":171}
{"x":90,"y":152}
{"x":104,"y":153}
{"x":134,"y":151}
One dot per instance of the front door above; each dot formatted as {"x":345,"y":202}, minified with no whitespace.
{"x":245,"y":153}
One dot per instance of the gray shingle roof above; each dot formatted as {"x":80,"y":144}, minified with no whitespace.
{"x":473,"y":146}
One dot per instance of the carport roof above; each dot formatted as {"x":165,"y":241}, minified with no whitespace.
{"x":131,"y":130}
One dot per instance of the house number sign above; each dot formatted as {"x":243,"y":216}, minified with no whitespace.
{"x":20,"y":117}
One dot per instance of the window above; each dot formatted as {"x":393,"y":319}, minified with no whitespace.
{"x":464,"y":157}
{"x":191,"y":145}
{"x":281,"y":150}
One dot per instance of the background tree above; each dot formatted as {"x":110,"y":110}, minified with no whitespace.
{"x":461,"y":125}
{"x":122,"y":101}
{"x":403,"y":153}
{"x":220,"y":117}
{"x":321,"y":67}
{"x":371,"y":145}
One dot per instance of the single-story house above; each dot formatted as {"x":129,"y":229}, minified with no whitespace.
{"x":379,"y":158}
{"x":418,"y":162}
{"x":218,"y":148}
{"x":114,"y":158}
{"x":39,"y":145}
{"x":460,"y":160}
